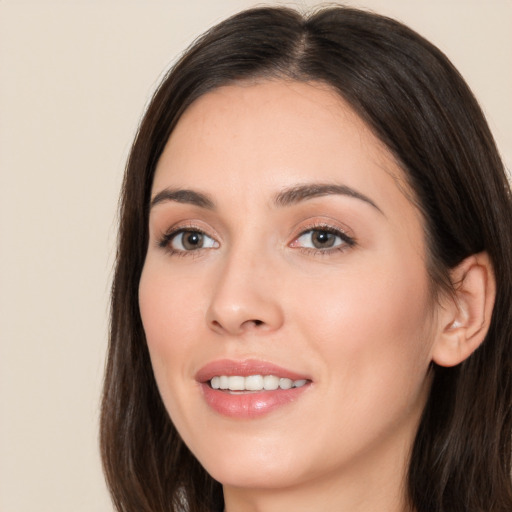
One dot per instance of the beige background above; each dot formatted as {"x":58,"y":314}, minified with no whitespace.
{"x":74,"y":78}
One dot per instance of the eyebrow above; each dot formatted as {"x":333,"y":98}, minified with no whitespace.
{"x":287,"y":197}
{"x":185,"y":196}
{"x":300,"y":193}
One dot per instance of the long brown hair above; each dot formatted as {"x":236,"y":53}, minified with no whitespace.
{"x":418,"y":105}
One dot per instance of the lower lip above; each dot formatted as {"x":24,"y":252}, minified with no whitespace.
{"x":251,"y":404}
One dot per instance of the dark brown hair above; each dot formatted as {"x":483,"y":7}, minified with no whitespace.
{"x":418,"y":105}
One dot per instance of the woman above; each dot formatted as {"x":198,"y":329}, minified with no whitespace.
{"x":312,"y":302}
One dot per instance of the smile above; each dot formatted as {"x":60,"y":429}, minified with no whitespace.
{"x":250,"y":388}
{"x":254,"y":383}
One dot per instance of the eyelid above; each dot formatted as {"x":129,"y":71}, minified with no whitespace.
{"x":164,"y":240}
{"x":349,"y":240}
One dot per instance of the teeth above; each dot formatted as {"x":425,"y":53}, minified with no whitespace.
{"x":285,"y":383}
{"x":236,"y":383}
{"x":270,"y":382}
{"x":254,"y":383}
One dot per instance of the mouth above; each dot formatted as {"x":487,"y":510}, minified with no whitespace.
{"x":250,"y":388}
{"x":254,"y":383}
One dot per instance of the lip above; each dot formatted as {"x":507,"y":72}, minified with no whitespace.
{"x":248,"y":405}
{"x":245,"y":368}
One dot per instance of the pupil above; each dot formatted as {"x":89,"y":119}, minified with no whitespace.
{"x":323,"y":239}
{"x":193,"y":240}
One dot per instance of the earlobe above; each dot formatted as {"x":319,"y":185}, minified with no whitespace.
{"x":465,"y":314}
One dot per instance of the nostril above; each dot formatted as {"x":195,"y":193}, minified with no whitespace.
{"x":252,"y":324}
{"x":247,"y":324}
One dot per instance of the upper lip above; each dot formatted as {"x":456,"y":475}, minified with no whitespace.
{"x":245,"y":368}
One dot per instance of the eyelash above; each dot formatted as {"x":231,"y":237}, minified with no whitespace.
{"x":165,"y":240}
{"x":347,"y":241}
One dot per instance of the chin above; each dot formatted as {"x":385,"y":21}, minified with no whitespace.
{"x":249,"y":476}
{"x":253,"y":464}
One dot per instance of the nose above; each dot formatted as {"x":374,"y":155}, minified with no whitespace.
{"x":244,"y":297}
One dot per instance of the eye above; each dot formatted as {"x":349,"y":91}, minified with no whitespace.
{"x":323,"y":238}
{"x":186,"y":240}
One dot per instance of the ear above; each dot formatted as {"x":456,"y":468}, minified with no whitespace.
{"x":465,"y":315}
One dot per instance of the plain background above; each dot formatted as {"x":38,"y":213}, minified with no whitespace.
{"x":74,"y":79}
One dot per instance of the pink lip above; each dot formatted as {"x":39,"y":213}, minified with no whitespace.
{"x":248,"y":404}
{"x":245,"y":368}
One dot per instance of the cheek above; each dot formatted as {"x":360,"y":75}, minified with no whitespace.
{"x":170,"y":318}
{"x":169,"y":304}
{"x":371,"y":337}
{"x":373,"y":326}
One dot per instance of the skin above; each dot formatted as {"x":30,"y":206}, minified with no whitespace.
{"x":357,"y":319}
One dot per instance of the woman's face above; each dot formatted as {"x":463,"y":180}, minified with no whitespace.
{"x":283,"y":252}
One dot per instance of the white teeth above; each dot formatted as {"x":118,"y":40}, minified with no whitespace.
{"x":285,"y":383}
{"x":254,"y":383}
{"x":223,"y":382}
{"x":236,"y":383}
{"x":270,"y":382}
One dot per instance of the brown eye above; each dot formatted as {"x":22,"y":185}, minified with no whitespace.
{"x":191,"y":241}
{"x":322,"y":239}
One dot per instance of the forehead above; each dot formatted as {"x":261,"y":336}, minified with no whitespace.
{"x":260,"y":137}
{"x":276,"y":115}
